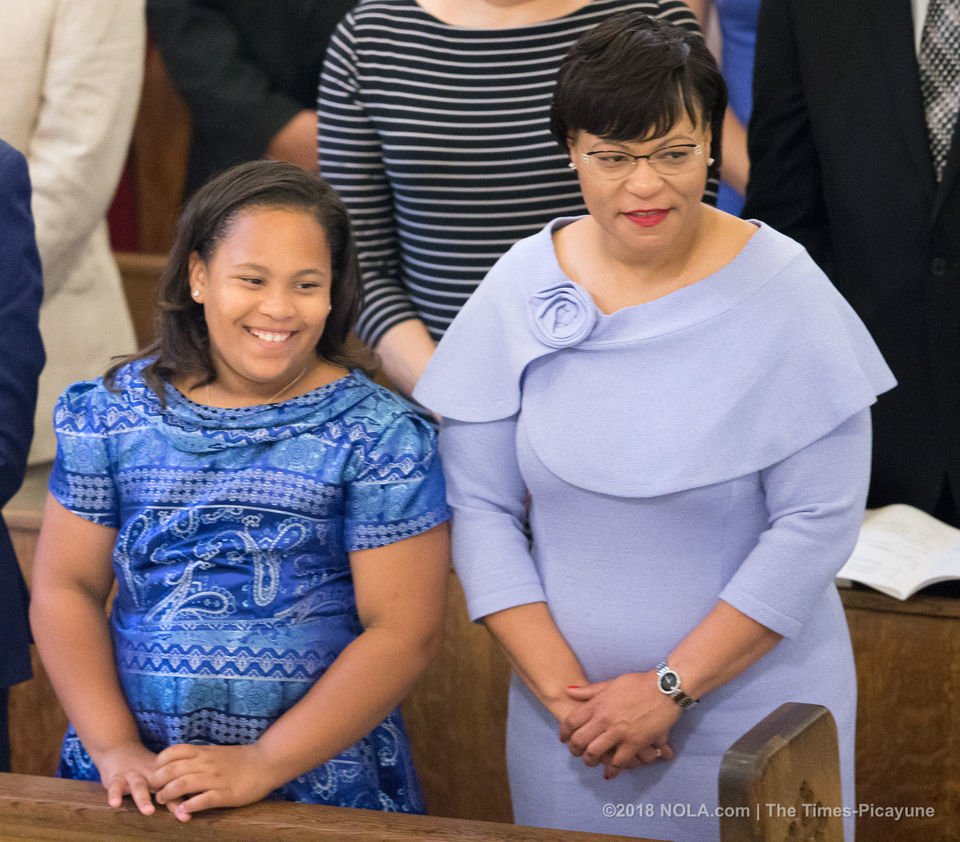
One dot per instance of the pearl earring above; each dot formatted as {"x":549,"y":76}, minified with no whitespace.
{"x":572,"y":165}
{"x":710,"y":162}
{"x":196,"y":292}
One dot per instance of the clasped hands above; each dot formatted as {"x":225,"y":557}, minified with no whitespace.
{"x":184,"y":778}
{"x":621,"y":723}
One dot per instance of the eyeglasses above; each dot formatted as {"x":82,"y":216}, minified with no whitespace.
{"x":671,"y":160}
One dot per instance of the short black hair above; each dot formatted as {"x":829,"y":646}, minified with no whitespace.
{"x":632,"y":77}
{"x":182,"y":346}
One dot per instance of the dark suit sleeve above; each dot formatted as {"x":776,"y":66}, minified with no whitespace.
{"x":21,"y":352}
{"x":230,"y":97}
{"x":785,"y":189}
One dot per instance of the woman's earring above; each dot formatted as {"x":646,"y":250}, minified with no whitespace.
{"x":196,"y":292}
{"x":572,"y":165}
{"x":710,"y":162}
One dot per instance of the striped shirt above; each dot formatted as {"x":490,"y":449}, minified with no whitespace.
{"x":437,"y":138}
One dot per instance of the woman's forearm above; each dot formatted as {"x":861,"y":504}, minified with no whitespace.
{"x":366,"y":681}
{"x":719,"y":648}
{"x":405,"y":350}
{"x":736,"y":163}
{"x":538,"y":652}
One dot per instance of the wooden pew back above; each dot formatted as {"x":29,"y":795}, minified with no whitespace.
{"x":781,"y":780}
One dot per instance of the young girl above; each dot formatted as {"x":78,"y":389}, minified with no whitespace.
{"x":275,"y":523}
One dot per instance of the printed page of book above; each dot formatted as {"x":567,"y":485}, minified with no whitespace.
{"x":901,"y":549}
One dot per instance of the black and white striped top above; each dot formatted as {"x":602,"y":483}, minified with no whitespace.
{"x":437,"y":138}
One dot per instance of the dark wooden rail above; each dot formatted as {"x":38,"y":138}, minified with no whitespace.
{"x":50,"y":808}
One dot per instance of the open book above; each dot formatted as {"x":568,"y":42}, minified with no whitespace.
{"x":901,"y":550}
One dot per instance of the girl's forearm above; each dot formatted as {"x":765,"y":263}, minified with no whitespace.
{"x":366,"y":681}
{"x":72,"y":636}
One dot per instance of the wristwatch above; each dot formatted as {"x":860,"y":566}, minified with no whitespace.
{"x":668,"y":683}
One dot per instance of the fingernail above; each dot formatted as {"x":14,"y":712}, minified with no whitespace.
{"x":573,"y":686}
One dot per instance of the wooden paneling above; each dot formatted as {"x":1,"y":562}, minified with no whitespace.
{"x":37,"y":721}
{"x":140,"y":274}
{"x":908,"y":722}
{"x":161,"y":143}
{"x":456,"y":716}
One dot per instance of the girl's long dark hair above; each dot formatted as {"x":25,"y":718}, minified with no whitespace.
{"x":182,"y":346}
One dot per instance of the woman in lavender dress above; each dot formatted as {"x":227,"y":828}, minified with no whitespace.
{"x":685,"y":398}
{"x":274,"y":522}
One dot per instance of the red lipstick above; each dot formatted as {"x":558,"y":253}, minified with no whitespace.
{"x":647,"y":218}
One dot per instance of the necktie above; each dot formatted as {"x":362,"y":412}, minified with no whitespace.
{"x":939,"y":61}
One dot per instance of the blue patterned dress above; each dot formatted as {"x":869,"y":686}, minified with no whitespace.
{"x":234,"y":529}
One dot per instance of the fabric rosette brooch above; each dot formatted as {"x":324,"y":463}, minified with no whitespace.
{"x":562,"y":315}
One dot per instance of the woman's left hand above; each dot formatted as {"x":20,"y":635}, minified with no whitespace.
{"x":192,"y":778}
{"x":623,"y":723}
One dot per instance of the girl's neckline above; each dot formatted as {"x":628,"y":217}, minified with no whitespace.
{"x":500,"y":29}
{"x":308,"y":396}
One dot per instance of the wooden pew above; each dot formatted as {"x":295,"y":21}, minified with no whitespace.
{"x":456,"y":717}
{"x":776,"y":780}
{"x":50,"y":808}
{"x":788,"y":759}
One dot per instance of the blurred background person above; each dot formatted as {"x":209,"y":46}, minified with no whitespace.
{"x":21,"y":358}
{"x":737,"y":24}
{"x":69,"y":89}
{"x":855,"y":153}
{"x":249,"y":73}
{"x":435,"y":130}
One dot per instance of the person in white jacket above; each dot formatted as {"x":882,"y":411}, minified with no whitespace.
{"x":70,"y":80}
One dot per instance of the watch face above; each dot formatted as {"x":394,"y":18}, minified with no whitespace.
{"x":669,"y":681}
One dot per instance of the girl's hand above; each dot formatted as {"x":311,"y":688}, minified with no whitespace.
{"x":192,"y":778}
{"x":127,"y":769}
{"x":622,"y":723}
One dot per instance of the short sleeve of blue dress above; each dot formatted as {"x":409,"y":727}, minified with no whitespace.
{"x":82,"y":479}
{"x":234,"y":587}
{"x":396,"y":489}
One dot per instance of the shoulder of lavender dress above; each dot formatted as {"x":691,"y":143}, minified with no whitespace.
{"x":528,"y":265}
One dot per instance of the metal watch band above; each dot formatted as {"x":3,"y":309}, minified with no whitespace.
{"x":674,"y":692}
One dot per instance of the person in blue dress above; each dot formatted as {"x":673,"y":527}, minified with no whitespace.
{"x":683,"y":398}
{"x":274,"y":522}
{"x":737,"y":22}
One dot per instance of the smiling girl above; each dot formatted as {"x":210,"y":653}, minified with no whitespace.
{"x":275,"y":523}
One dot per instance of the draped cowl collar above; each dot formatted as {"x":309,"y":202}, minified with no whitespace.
{"x":716,"y":380}
{"x":196,"y":428}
